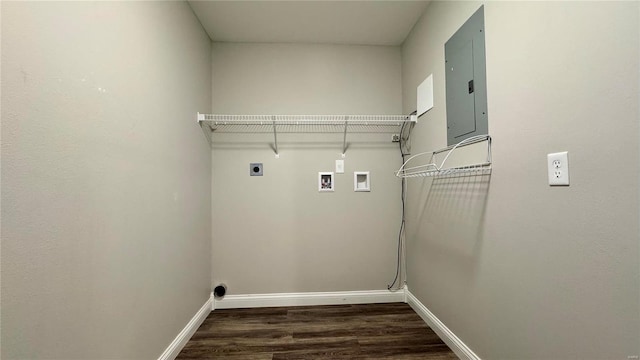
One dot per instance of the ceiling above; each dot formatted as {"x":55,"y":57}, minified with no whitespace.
{"x":374,"y":22}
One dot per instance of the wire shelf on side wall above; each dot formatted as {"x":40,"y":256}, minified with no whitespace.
{"x":433,"y":169}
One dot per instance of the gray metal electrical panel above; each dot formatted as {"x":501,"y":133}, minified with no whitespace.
{"x":466,"y":81}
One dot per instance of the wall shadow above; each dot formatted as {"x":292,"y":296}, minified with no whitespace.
{"x":452,"y":214}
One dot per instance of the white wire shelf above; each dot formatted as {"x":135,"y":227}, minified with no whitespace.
{"x":339,"y":124}
{"x":433,"y":169}
{"x":304,"y":123}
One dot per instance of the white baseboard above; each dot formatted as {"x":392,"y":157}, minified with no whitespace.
{"x":309,"y":299}
{"x":458,"y":347}
{"x":183,"y":337}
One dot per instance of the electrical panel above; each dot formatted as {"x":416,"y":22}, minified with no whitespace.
{"x":466,"y":83}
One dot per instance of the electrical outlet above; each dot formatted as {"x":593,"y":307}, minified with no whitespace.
{"x":339,"y":166}
{"x":558,"y":168}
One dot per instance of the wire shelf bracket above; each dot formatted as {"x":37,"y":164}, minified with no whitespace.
{"x":433,"y":169}
{"x":214,"y":123}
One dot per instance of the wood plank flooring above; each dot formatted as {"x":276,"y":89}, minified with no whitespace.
{"x":371,"y":331}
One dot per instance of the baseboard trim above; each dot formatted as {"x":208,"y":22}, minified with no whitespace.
{"x":309,"y":299}
{"x":183,"y":337}
{"x":457,"y":345}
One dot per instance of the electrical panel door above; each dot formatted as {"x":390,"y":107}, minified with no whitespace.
{"x":466,"y":88}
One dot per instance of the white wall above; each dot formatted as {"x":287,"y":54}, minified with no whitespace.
{"x":306,"y":79}
{"x":515,"y":268}
{"x":277,"y":233}
{"x":105,"y":178}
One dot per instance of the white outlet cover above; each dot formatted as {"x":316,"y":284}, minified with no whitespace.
{"x":339,"y":166}
{"x":558,"y":168}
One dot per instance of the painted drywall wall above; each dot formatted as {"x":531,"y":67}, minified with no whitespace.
{"x":277,"y":233}
{"x":514,"y":267}
{"x":105,"y":178}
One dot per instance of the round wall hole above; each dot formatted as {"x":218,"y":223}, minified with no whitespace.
{"x":219,"y":291}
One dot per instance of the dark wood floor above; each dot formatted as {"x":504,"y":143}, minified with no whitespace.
{"x":372,"y":331}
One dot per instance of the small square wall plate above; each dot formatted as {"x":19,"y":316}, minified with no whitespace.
{"x":255,"y":169}
{"x":361,"y":181}
{"x":326,"y":181}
